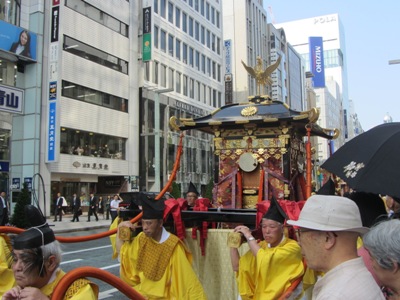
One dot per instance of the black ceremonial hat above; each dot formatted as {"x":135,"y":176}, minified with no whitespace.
{"x":275,"y":212}
{"x":34,"y":238}
{"x":34,"y":216}
{"x":38,"y":235}
{"x":192,"y":188}
{"x":152,"y":209}
{"x":328,"y":188}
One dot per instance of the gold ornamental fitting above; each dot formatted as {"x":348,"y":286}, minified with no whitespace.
{"x":125,"y":234}
{"x":234,"y":240}
{"x":249,"y":111}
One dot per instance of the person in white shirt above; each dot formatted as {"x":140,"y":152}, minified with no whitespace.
{"x":114,"y":206}
{"x":3,"y":210}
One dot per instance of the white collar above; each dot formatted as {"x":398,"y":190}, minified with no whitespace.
{"x":283,"y":238}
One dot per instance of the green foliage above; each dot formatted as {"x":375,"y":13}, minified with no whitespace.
{"x":176,"y":190}
{"x":209,"y":190}
{"x":19,"y":219}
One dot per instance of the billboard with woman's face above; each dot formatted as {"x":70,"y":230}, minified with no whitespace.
{"x":18,"y":41}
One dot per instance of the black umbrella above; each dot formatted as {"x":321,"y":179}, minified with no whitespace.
{"x":370,"y":162}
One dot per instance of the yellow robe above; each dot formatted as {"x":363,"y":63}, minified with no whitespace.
{"x":271,"y":272}
{"x":87,"y":291}
{"x":6,"y":274}
{"x":178,"y":281}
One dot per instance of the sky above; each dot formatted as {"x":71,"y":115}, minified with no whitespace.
{"x":372,"y":31}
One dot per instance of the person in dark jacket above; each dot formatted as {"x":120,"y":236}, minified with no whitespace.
{"x":92,"y":207}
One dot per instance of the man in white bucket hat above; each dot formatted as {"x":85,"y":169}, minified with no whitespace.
{"x":328,"y":228}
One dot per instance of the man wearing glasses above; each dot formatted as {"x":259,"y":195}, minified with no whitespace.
{"x":328,"y":228}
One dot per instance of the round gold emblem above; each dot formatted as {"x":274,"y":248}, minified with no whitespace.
{"x":249,"y":111}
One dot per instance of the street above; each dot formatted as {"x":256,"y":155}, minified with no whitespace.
{"x":95,"y":253}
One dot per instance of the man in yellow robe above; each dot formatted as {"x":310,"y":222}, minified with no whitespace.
{"x":6,"y":274}
{"x":36,"y":257}
{"x":270,"y":267}
{"x":156,"y":263}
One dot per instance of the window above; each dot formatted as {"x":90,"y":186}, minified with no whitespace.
{"x":170,"y":12}
{"x":162,"y":8}
{"x":191,"y":26}
{"x":208,"y":66}
{"x":156,"y":30}
{"x":155,"y":6}
{"x":184,"y":53}
{"x":203,"y":63}
{"x":171,"y":44}
{"x":213,"y":15}
{"x":95,"y":55}
{"x":197,"y":31}
{"x":171,"y":78}
{"x":217,"y":19}
{"x":155,"y":75}
{"x":207,"y":11}
{"x":213,"y":42}
{"x":218,"y":46}
{"x":208,"y":39}
{"x":89,"y":95}
{"x":198,"y":91}
{"x":177,"y":17}
{"x":84,"y":143}
{"x":163,"y":76}
{"x":219,"y":73}
{"x":178,"y":49}
{"x":178,"y":82}
{"x":197,"y":60}
{"x":163,"y":40}
{"x":191,"y":88}
{"x":185,"y":85}
{"x":214,"y":71}
{"x":191,"y":51}
{"x":202,"y":7}
{"x":203,"y":35}
{"x":196,"y":5}
{"x":184,"y":22}
{"x":92,"y":13}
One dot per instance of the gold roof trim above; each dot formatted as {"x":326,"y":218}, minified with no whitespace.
{"x":242,"y":121}
{"x":268,"y":120}
{"x":336,"y":132}
{"x":215,"y":111}
{"x":186,"y":123}
{"x":212,"y":123}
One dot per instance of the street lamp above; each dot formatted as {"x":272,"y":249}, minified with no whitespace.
{"x":157,"y":167}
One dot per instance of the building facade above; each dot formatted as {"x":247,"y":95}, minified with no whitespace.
{"x":89,"y":120}
{"x":330,"y":28}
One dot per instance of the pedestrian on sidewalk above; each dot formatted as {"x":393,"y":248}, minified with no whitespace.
{"x":101,"y":206}
{"x":108,"y":201}
{"x":92,"y":207}
{"x":58,"y":209}
{"x":114,"y":207}
{"x":76,"y":206}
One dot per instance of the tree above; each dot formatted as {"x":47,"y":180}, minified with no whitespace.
{"x":19,"y":219}
{"x":176,"y":190}
{"x":209,"y":190}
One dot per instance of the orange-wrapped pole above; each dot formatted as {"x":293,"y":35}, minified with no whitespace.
{"x":174,"y":170}
{"x":260,"y":186}
{"x":308,"y":159}
{"x":239,"y":202}
{"x":71,"y":276}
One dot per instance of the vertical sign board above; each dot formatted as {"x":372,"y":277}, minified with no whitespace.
{"x":28,"y":181}
{"x":15,"y":184}
{"x":52,"y":120}
{"x":228,"y":56}
{"x":317,"y":61}
{"x":228,"y":89}
{"x":147,"y":42}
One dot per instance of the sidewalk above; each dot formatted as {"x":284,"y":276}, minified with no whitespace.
{"x":66,"y":225}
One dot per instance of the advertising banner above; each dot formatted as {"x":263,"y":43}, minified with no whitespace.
{"x":317,"y":61}
{"x":18,"y":40}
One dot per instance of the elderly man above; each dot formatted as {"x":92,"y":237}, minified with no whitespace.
{"x":36,"y":259}
{"x":382,"y":243}
{"x":328,"y":230}
{"x":156,"y":263}
{"x":192,"y":195}
{"x":269,"y":268}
